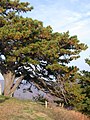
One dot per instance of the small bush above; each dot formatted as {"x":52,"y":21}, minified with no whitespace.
{"x":39,"y":98}
{"x":3,"y":98}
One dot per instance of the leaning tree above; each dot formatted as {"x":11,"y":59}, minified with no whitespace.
{"x":30,"y":51}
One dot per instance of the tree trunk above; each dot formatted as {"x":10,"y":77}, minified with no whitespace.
{"x":10,"y":84}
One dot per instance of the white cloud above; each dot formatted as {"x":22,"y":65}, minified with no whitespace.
{"x":72,"y":15}
{"x":88,"y":13}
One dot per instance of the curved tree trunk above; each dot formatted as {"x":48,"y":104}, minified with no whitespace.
{"x":10,"y":84}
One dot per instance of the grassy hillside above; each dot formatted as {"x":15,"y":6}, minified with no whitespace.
{"x":13,"y":109}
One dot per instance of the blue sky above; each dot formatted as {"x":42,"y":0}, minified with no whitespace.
{"x":63,"y":15}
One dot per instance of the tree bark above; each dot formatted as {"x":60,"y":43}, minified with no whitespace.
{"x":16,"y":85}
{"x":10,"y":84}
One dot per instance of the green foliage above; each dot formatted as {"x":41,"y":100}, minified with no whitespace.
{"x":35,"y":52}
{"x":3,"y":98}
{"x":79,"y":92}
{"x":85,"y":85}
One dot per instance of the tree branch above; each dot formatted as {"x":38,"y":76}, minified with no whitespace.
{"x":16,"y":84}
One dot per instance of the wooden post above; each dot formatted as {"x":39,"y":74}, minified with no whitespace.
{"x":45,"y":104}
{"x":0,"y":89}
{"x":62,"y":105}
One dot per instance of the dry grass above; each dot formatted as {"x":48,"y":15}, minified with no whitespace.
{"x":13,"y":109}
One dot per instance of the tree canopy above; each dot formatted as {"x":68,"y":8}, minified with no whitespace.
{"x":30,"y":51}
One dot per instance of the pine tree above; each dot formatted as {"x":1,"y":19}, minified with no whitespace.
{"x":85,"y":85}
{"x":30,"y":51}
